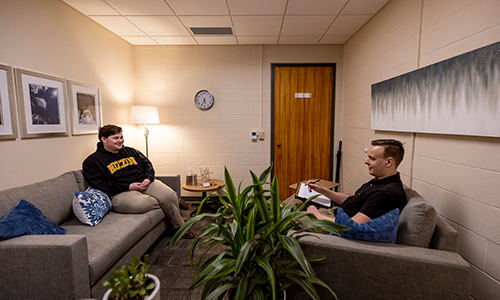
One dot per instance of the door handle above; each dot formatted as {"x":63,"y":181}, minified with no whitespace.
{"x":278,"y":144}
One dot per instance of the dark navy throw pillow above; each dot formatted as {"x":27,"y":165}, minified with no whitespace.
{"x":382,"y":229}
{"x":25,"y":218}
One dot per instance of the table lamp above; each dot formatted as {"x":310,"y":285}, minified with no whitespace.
{"x":144,"y":115}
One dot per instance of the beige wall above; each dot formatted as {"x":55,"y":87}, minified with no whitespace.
{"x":240,"y":78}
{"x":459,"y":175}
{"x":52,"y":38}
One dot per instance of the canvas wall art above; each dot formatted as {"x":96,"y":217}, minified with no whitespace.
{"x":460,"y":95}
{"x":42,"y":104}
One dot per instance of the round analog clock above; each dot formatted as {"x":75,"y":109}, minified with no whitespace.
{"x":204,"y":100}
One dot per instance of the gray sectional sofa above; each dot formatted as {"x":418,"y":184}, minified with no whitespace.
{"x":423,"y":264}
{"x":71,"y":266}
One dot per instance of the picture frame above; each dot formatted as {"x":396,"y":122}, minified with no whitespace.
{"x":42,"y":104}
{"x":85,"y":108}
{"x":8,"y":128}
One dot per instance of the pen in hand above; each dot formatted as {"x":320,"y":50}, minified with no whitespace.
{"x":314,"y":181}
{"x":308,"y":184}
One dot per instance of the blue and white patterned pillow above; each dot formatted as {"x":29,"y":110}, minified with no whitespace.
{"x":91,"y":206}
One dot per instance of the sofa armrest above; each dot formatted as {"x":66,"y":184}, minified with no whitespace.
{"x":173,"y":181}
{"x":363,"y":270}
{"x":445,"y":237}
{"x":44,"y":267}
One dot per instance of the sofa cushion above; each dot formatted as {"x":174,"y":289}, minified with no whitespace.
{"x":382,"y":229}
{"x":80,"y":180}
{"x":25,"y":218}
{"x":91,"y":206}
{"x":53,"y":197}
{"x":416,"y":222}
{"x":113,"y":238}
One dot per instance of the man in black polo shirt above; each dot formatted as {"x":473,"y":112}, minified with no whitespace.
{"x":378,"y":196}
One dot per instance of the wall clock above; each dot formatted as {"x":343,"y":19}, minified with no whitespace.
{"x":204,"y":100}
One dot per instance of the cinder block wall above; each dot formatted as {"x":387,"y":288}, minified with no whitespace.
{"x":459,"y":175}
{"x":240,"y":79}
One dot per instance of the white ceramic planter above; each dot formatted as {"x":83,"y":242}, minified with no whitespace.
{"x":155,"y":295}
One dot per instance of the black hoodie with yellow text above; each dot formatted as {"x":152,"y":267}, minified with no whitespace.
{"x":112,"y":173}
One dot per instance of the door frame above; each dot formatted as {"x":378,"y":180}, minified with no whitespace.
{"x":332,"y":126}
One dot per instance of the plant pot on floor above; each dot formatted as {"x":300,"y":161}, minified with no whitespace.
{"x":155,"y":295}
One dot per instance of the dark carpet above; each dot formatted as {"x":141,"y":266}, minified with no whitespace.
{"x":172,"y":266}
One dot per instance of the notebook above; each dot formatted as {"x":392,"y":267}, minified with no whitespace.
{"x":302,"y":193}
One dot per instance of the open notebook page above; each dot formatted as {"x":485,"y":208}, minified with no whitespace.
{"x":304,"y":194}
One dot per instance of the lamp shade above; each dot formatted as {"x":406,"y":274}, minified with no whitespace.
{"x":144,"y":115}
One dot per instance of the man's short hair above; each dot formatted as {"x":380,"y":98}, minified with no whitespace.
{"x":392,"y":148}
{"x":107,"y":130}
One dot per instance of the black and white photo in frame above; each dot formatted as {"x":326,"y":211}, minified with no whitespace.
{"x":85,"y":108}
{"x":42,"y":104}
{"x":7,"y":106}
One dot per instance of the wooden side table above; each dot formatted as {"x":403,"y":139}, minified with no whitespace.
{"x":325,"y":183}
{"x":204,"y":190}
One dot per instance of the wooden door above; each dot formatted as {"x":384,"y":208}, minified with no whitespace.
{"x":302,"y":126}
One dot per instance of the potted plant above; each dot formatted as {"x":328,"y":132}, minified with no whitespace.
{"x":260,"y":256}
{"x":133,"y":282}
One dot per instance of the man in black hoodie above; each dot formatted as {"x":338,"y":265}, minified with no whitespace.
{"x":127,"y":176}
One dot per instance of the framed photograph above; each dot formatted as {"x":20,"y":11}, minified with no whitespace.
{"x":85,"y":108}
{"x":7,"y":106}
{"x":42,"y":104}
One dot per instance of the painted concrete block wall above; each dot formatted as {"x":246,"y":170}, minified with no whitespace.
{"x":459,"y":175}
{"x":240,"y":79}
{"x":50,"y":37}
{"x":170,"y":76}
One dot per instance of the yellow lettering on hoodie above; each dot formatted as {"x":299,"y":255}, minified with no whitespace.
{"x":120,"y":164}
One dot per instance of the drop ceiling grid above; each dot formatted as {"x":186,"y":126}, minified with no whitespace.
{"x":167,"y":22}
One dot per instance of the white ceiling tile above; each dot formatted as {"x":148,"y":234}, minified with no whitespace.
{"x":334,"y":39}
{"x":139,"y":40}
{"x":159,"y":25}
{"x":364,"y":6}
{"x":315,"y":7}
{"x":216,"y":40}
{"x":347,"y":24}
{"x":118,"y":25}
{"x":92,"y":7}
{"x":259,"y":40}
{"x":257,"y":7}
{"x":145,"y":22}
{"x":143,"y":7}
{"x":297,"y":40}
{"x":257,"y":25}
{"x":174,"y":40}
{"x":199,"y":7}
{"x":206,"y":21}
{"x":306,"y":25}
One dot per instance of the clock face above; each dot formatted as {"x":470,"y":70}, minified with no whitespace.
{"x":204,"y":99}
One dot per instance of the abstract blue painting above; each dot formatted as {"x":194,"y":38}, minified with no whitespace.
{"x":460,"y":95}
